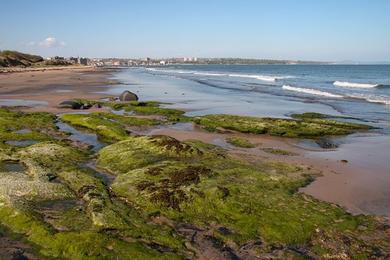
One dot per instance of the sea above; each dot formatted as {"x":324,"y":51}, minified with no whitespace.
{"x":357,"y":91}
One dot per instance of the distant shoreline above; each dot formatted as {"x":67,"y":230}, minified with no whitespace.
{"x":49,"y":68}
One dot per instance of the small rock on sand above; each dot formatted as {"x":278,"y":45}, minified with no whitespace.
{"x":128,"y":96}
{"x":70,"y":104}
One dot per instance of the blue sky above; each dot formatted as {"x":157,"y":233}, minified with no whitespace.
{"x":332,"y":30}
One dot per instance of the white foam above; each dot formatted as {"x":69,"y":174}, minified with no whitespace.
{"x":209,"y":74}
{"x":311,"y":91}
{"x":347,"y":84}
{"x":372,"y":98}
{"x":250,"y":76}
{"x":259,"y":77}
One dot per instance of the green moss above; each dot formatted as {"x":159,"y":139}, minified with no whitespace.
{"x":278,"y":151}
{"x":18,"y":126}
{"x":136,"y":152}
{"x":149,"y":108}
{"x":309,"y":115}
{"x":127,"y":120}
{"x":45,"y":158}
{"x":279,"y":127}
{"x":108,"y":126}
{"x":162,"y":183}
{"x":106,"y":129}
{"x":252,"y":201}
{"x":240,"y":142}
{"x":75,"y":245}
{"x":19,"y":120}
{"x":249,"y":202}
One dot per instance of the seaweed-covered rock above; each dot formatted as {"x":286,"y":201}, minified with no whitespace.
{"x":70,"y":104}
{"x":305,"y":127}
{"x":128,"y":96}
{"x":167,"y":184}
{"x":136,"y":152}
{"x":15,"y":186}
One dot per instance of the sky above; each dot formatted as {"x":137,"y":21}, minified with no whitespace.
{"x":323,"y":30}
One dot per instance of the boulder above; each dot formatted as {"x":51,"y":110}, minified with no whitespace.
{"x":128,"y":96}
{"x":70,"y":104}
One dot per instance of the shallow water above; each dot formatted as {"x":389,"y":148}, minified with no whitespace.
{"x":362,"y":181}
{"x":106,"y":177}
{"x":84,"y":137}
{"x":21,"y":143}
{"x":12,"y":166}
{"x":22,"y":102}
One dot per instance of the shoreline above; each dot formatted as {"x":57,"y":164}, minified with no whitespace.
{"x":54,"y":86}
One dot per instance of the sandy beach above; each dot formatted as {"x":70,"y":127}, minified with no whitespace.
{"x":52,"y":86}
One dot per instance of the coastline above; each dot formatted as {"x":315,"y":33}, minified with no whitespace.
{"x":194,"y":187}
{"x":54,"y":86}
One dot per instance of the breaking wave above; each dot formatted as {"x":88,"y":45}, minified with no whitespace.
{"x":200,"y":73}
{"x":347,"y":84}
{"x":311,"y":91}
{"x":372,"y":98}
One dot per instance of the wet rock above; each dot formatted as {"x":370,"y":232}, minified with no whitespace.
{"x":71,"y":104}
{"x":326,"y":143}
{"x":224,"y":231}
{"x":128,"y":96}
{"x":86,"y":106}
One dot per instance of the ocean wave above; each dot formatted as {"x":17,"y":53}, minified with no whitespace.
{"x":347,"y":84}
{"x":215,"y":74}
{"x":372,"y":98}
{"x":209,"y":74}
{"x":311,"y":91}
{"x":259,"y":77}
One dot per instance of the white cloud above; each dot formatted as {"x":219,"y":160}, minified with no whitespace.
{"x":50,"y":42}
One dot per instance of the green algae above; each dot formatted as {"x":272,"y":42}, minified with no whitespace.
{"x":183,"y":182}
{"x":252,"y":201}
{"x":311,"y":127}
{"x":99,"y":209}
{"x":136,"y":152}
{"x":18,"y":126}
{"x":108,"y":126}
{"x":278,"y":151}
{"x":240,"y":142}
{"x":127,"y":120}
{"x":106,"y":129}
{"x":149,"y":108}
{"x":75,"y":245}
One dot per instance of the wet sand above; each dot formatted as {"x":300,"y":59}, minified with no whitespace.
{"x":43,"y":90}
{"x":361,"y":185}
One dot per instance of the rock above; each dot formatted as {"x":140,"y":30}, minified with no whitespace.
{"x":326,"y":143}
{"x":70,"y":104}
{"x":128,"y":96}
{"x":344,"y":161}
{"x":97,"y":105}
{"x":86,"y":106}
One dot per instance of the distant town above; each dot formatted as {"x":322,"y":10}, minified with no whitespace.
{"x":10,"y":58}
{"x":121,"y":62}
